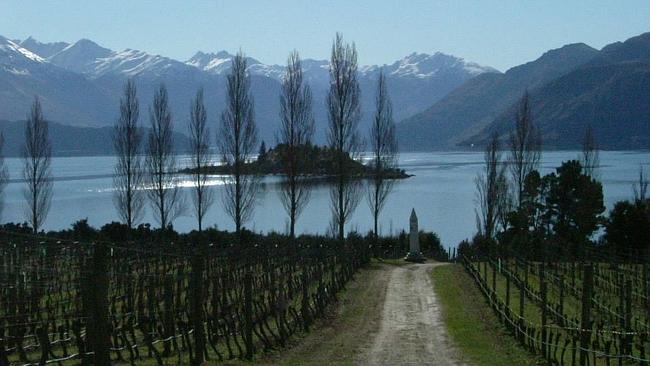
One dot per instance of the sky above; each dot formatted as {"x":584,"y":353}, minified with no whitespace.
{"x":497,"y":33}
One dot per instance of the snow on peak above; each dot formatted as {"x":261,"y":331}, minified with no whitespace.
{"x":90,"y":59}
{"x":44,"y":50}
{"x":215,"y":63}
{"x":132,"y":62}
{"x":10,"y":51}
{"x":79,"y":56}
{"x":422,"y":65}
{"x":219,"y":63}
{"x":17,"y":60}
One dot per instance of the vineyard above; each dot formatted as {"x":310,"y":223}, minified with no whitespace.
{"x":593,"y":312}
{"x":66,"y":302}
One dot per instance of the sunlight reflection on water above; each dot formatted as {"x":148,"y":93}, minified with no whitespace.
{"x":441,"y":191}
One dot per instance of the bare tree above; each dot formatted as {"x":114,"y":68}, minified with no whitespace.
{"x":640,"y":188}
{"x":127,"y":140}
{"x":296,"y":130}
{"x":160,"y":161}
{"x":4,"y":173}
{"x":237,"y":141}
{"x":590,"y":158}
{"x":343,"y":114}
{"x":525,"y":147}
{"x":202,"y":196}
{"x":384,"y":151}
{"x":491,"y":190}
{"x":37,"y":172}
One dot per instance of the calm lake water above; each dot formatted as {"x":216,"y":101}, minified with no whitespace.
{"x":442,"y":192}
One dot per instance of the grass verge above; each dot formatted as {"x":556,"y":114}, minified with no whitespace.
{"x":471,"y":323}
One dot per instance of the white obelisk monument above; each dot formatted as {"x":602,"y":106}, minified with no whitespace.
{"x":414,"y":254}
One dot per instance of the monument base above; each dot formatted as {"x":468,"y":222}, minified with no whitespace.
{"x":415,"y":257}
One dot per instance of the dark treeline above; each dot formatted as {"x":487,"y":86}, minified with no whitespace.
{"x":143,"y":236}
{"x":569,"y":282}
{"x":557,"y":216}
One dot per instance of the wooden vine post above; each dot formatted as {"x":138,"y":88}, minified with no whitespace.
{"x":97,"y":299}
{"x":248,"y":311}
{"x":585,"y":322}
{"x":196,"y":305}
{"x":628,"y":317}
{"x":542,"y":285}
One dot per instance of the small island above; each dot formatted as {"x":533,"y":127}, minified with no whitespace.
{"x":317,"y":162}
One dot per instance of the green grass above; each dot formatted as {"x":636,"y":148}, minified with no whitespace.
{"x":471,"y":323}
{"x":572,"y":308}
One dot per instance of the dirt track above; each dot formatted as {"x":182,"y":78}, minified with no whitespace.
{"x":411,"y":332}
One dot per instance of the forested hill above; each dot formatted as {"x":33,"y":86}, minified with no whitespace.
{"x":611,"y":93}
{"x":316,"y":161}
{"x":70,"y":140}
{"x":570,"y":88}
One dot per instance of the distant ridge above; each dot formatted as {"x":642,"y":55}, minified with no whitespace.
{"x":570,"y":88}
{"x":80,"y":83}
{"x":71,"y":140}
{"x":611,"y":93}
{"x":476,"y":103}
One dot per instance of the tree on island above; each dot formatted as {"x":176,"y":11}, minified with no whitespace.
{"x":343,"y":109}
{"x":261,"y":154}
{"x":36,"y":167}
{"x":296,"y":130}
{"x":384,"y":152}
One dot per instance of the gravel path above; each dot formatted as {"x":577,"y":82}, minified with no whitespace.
{"x":412,"y":331}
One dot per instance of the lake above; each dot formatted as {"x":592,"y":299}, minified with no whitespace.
{"x":442,"y":191}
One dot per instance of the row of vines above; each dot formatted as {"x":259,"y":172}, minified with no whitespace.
{"x":593,"y":312}
{"x":64,"y":302}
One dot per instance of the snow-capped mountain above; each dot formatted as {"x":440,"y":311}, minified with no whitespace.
{"x":415,"y":82}
{"x":11,"y":54}
{"x":133,"y":63}
{"x":44,"y":50}
{"x":415,"y":65}
{"x":94,"y":61}
{"x":216,"y":63}
{"x":219,"y":64}
{"x":66,"y":96}
{"x":80,"y":56}
{"x":423,"y":66}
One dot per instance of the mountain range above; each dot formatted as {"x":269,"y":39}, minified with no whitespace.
{"x":440,"y":101}
{"x":570,"y":88}
{"x":80,"y":84}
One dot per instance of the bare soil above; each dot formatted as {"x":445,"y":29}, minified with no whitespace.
{"x":411,"y":331}
{"x":389,"y":315}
